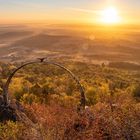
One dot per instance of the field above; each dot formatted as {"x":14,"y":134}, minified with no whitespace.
{"x":90,"y":45}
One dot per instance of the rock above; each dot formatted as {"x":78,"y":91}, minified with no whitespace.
{"x":14,"y":111}
{"x":7,"y":113}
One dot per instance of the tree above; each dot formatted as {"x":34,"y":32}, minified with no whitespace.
{"x":136,"y":92}
{"x":91,"y":95}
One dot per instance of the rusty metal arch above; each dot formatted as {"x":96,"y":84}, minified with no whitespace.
{"x":6,"y":86}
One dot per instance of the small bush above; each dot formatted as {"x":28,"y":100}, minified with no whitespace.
{"x":10,"y":131}
{"x":29,"y":98}
{"x":136,"y":92}
{"x":18,"y":95}
{"x":91,"y":95}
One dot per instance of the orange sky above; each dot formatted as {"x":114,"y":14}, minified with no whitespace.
{"x":54,"y":11}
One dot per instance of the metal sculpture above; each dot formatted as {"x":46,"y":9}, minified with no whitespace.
{"x":42,"y":60}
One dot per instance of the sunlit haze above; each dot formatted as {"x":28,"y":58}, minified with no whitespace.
{"x":110,"y":16}
{"x":62,"y":11}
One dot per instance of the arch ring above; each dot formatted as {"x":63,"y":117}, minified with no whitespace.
{"x":42,"y":61}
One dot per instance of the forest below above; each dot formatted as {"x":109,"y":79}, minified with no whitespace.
{"x":49,"y":98}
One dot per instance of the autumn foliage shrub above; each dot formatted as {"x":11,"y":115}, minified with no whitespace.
{"x":136,"y":92}
{"x":50,"y":101}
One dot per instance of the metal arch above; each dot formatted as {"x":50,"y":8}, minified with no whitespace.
{"x":6,"y":87}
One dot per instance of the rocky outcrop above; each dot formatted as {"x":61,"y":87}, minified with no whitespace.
{"x":16,"y":112}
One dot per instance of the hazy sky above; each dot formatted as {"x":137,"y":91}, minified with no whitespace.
{"x":65,"y":10}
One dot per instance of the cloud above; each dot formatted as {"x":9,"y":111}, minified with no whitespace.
{"x":84,"y":10}
{"x":24,"y":4}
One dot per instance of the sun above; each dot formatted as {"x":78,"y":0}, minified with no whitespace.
{"x":110,"y":15}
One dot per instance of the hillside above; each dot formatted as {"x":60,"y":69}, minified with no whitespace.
{"x":50,"y":99}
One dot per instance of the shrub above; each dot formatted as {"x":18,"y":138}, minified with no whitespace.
{"x":10,"y":131}
{"x":18,"y":95}
{"x":29,"y":98}
{"x":91,"y":95}
{"x":136,"y":92}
